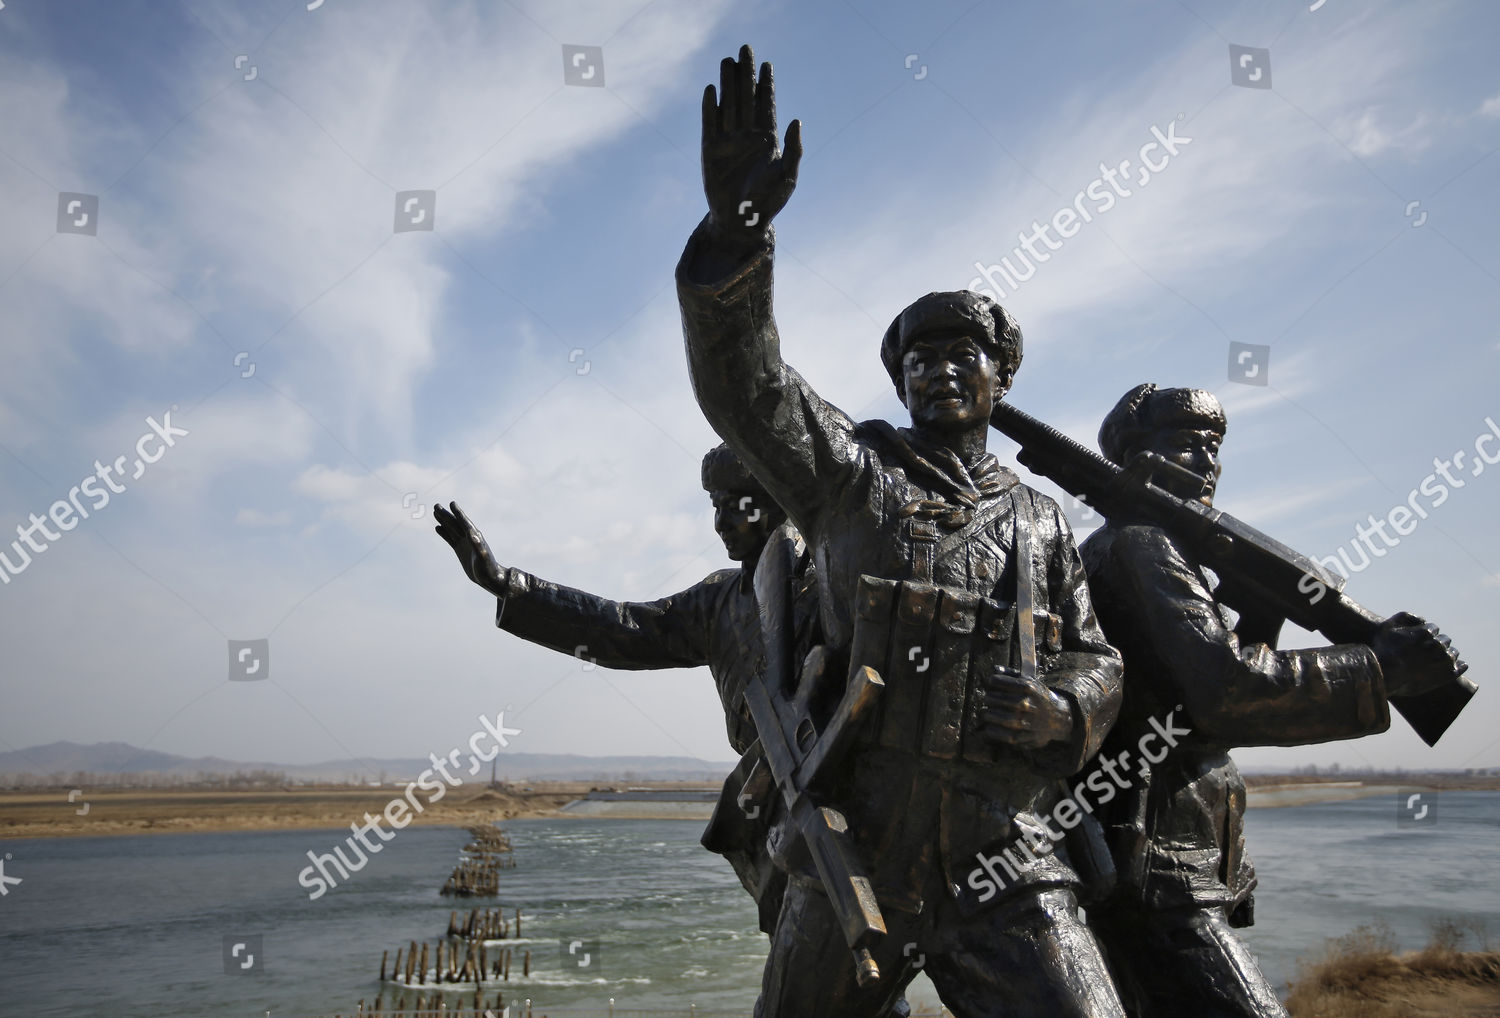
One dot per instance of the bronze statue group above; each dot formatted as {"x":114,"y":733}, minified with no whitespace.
{"x":919,"y":667}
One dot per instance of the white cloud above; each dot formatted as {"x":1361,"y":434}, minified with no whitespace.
{"x":1368,"y":134}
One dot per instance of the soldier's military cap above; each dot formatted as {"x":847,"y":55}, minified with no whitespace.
{"x":1147,"y":409}
{"x":991,"y":325}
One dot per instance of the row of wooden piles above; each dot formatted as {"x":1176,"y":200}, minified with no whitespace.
{"x":487,"y":838}
{"x":478,"y":871}
{"x":478,"y":963}
{"x":489,"y":924}
{"x":438,"y":1005}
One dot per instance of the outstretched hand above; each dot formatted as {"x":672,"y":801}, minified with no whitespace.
{"x":473,"y":551}
{"x":746,"y":179}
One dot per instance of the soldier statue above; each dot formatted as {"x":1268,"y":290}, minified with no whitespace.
{"x":713,"y":623}
{"x":935,"y":567}
{"x":1184,"y":882}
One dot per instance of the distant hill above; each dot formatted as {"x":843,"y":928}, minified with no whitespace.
{"x":62,"y":759}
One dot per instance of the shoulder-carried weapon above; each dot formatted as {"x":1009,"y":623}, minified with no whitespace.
{"x":1257,"y":571}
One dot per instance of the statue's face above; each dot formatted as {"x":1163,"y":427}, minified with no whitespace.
{"x":744,"y":521}
{"x":1198,"y":451}
{"x":951,"y":383}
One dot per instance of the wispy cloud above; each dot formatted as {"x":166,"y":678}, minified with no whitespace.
{"x":525,"y":357}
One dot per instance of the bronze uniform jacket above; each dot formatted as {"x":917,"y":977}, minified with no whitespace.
{"x":1177,"y":834}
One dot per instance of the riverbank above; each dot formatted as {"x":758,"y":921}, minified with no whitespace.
{"x":62,"y":812}
{"x":52,"y":814}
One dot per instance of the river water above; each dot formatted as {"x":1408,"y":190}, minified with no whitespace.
{"x":137,"y":926}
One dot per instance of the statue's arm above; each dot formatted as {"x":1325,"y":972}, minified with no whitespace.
{"x":1237,"y":693}
{"x":1087,"y":670}
{"x":671,"y":632}
{"x":797,"y":444}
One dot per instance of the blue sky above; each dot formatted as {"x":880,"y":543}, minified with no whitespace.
{"x":524,"y":356}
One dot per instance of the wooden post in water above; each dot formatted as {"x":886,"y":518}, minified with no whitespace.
{"x":422,"y":975}
{"x":411,"y":961}
{"x":383,"y":955}
{"x":526,"y":964}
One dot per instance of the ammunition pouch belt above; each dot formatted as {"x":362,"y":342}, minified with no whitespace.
{"x":934,"y":647}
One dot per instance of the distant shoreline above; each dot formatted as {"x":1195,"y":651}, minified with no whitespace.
{"x":36,"y":813}
{"x":49,"y":813}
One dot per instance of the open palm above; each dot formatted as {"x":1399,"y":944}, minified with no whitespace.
{"x":746,"y":178}
{"x":473,"y":551}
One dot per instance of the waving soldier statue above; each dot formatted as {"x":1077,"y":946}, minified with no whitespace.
{"x":936,"y":568}
{"x":713,"y":623}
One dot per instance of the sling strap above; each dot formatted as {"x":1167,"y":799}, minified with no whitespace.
{"x":1025,"y":588}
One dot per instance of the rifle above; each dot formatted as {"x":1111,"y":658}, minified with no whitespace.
{"x":1256,"y":570}
{"x":797,"y":752}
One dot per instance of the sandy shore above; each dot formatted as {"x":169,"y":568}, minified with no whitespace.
{"x":49,"y":813}
{"x":1305,"y":794}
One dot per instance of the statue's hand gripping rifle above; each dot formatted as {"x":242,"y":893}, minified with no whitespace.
{"x":1258,"y":572}
{"x":796,"y":752}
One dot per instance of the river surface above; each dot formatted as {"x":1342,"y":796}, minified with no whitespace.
{"x":140,"y":926}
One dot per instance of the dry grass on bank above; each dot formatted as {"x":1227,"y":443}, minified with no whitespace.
{"x":1360,"y":975}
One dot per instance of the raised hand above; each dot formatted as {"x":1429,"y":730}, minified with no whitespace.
{"x":1414,"y":656}
{"x":472,"y":550}
{"x":1024,"y":713}
{"x":747,"y":180}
